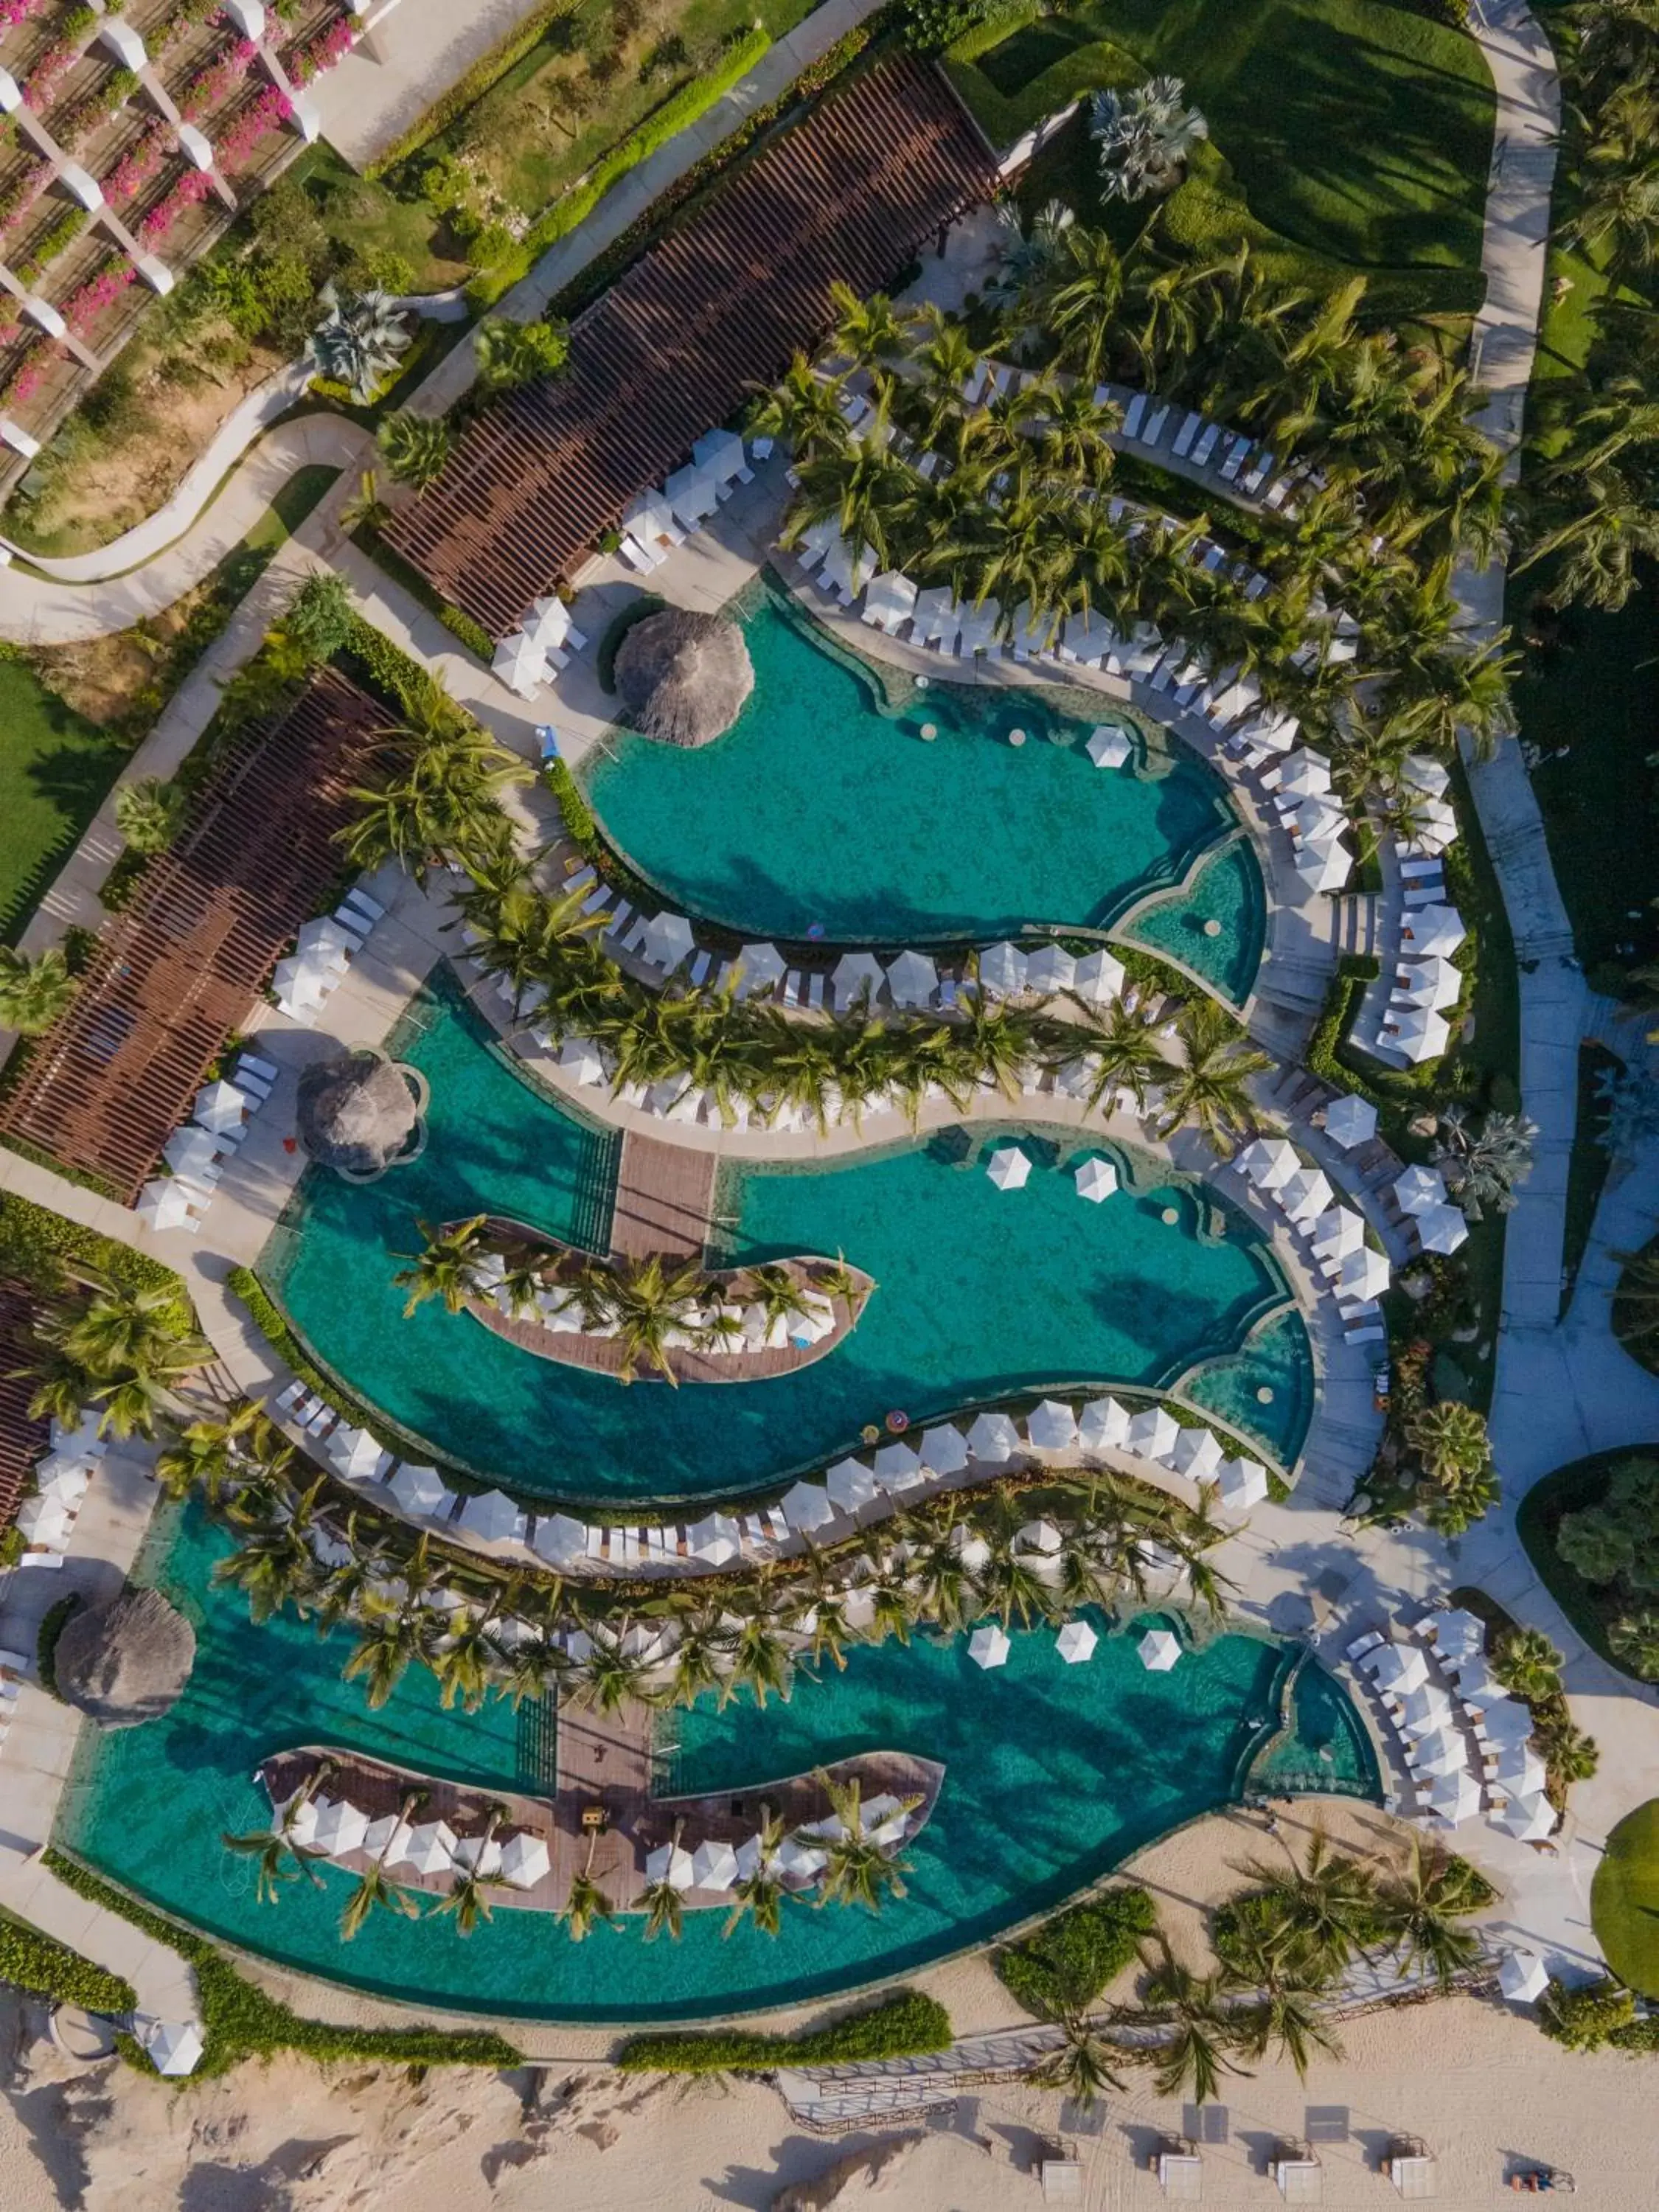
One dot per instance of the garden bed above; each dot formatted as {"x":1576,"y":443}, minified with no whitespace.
{"x":1590,"y":1606}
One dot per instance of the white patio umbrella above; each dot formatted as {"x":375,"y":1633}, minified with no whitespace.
{"x":525,"y":1860}
{"x":713,"y":1867}
{"x":355,"y":1453}
{"x":668,"y":940}
{"x":1002,"y":970}
{"x":1424,"y":1709}
{"x":994,"y":1439}
{"x":849,"y":1485}
{"x":190,"y":1150}
{"x":491,"y":1517}
{"x":521,"y":664}
{"x":1076,"y":1642}
{"x":847,"y":575}
{"x":1100,"y":978}
{"x":1441,"y":1751}
{"x":856,"y":972}
{"x":44,"y":1521}
{"x":1198,"y":1454}
{"x":1458,"y":1633}
{"x":1442,"y":1229}
{"x":1243,"y":1483}
{"x":1456,"y":1797}
{"x":803,"y":1860}
{"x":889,"y":600}
{"x":1103,"y":1426}
{"x":1521,"y":1772}
{"x":1338,"y":1233}
{"x":1475,"y":1687}
{"x":670,"y":1863}
{"x":913,"y":980}
{"x":1306,"y":775}
{"x":340,"y":1828}
{"x":430,"y":1848}
{"x":558,"y":1539}
{"x":761,"y":965}
{"x":1418,"y":1033}
{"x":1050,"y":969}
{"x":163,"y":1204}
{"x":1096,"y":1179}
{"x":1433,"y":929}
{"x":1270,"y":1162}
{"x":1504,"y":1721}
{"x":1420,"y":1188}
{"x":720,"y":452}
{"x":324,"y":944}
{"x":218,"y":1106}
{"x":1153,"y":1432}
{"x":1009,"y":1168}
{"x":81,"y":1437}
{"x":384,"y":1837}
{"x":1400,"y":1668}
{"x":715,"y":1539}
{"x":1307,"y":1195}
{"x":1528,"y":1819}
{"x":1433,"y":983}
{"x":1324,"y":864}
{"x":807,"y":1507}
{"x":989,"y":1646}
{"x":1363,"y":1274}
{"x":934,"y":614}
{"x":943,"y":1450}
{"x":899,"y":1466}
{"x":694,"y":494}
{"x":1349,"y":1121}
{"x":1317,"y":822}
{"x":1428,"y":774}
{"x":1522,"y":1977}
{"x":649,"y":515}
{"x":1158,"y":1650}
{"x":419,"y":1489}
{"x":64,"y":1481}
{"x":547,"y":622}
{"x":1110,"y":746}
{"x":1051,"y":1426}
{"x":1040,"y":1537}
{"x":174,"y":2047}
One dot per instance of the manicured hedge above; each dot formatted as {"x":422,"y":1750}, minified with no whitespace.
{"x":34,"y":1242}
{"x":1061,"y":1969}
{"x":48,"y":1968}
{"x":46,"y":1643}
{"x":902,"y":2026}
{"x":240,"y":2021}
{"x":471,"y":634}
{"x":483,"y":74}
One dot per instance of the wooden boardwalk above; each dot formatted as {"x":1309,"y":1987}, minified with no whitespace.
{"x":664,"y":1197}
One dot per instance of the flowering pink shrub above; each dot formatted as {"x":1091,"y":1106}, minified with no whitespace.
{"x":20,"y":197}
{"x":83,"y":307}
{"x":244,"y":132}
{"x":207,"y":88}
{"x":17,"y":11}
{"x":190,"y":191}
{"x":320,"y":53}
{"x":48,"y":72}
{"x":140,"y":167}
{"x":28,"y":377}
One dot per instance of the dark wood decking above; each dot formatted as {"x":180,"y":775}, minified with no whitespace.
{"x":176,"y":974}
{"x":664,"y":1196}
{"x":605,"y":1763}
{"x":22,"y":1438}
{"x":712,"y":312}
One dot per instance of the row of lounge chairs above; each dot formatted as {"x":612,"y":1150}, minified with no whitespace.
{"x":1356,"y":1272}
{"x":323,"y":951}
{"x":46,"y":1520}
{"x":197,"y":1152}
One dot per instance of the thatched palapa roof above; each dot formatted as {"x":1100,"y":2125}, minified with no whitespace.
{"x":126,"y":1661}
{"x":356,"y":1113}
{"x":684,"y":676}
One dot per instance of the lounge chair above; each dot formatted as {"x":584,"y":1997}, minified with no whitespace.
{"x":592,"y":905}
{"x":815,"y":991}
{"x":1185,"y":435}
{"x":700,"y":968}
{"x":754,"y":1529}
{"x":1209,"y":438}
{"x":288,"y":1397}
{"x":264,"y":1070}
{"x":580,"y":878}
{"x":791,"y":992}
{"x":1134,"y":416}
{"x":1156,"y":426}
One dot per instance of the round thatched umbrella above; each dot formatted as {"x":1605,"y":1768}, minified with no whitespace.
{"x":684,"y":677}
{"x":356,"y":1112}
{"x":126,"y":1661}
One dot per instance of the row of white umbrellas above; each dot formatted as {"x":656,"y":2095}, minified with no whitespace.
{"x":1414,"y":1024}
{"x":196,"y":1153}
{"x":990,"y":1645}
{"x":1431,"y":1721}
{"x":334,"y":1828}
{"x":1009,"y":1167}
{"x":46,"y":1520}
{"x":716,"y":1866}
{"x":1357,"y":1271}
{"x":1441,"y":1226}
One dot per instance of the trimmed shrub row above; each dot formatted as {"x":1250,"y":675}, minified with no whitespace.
{"x":902,"y":2026}
{"x":1059,"y":1971}
{"x":34,"y":1243}
{"x":48,"y":1968}
{"x":484,"y":74}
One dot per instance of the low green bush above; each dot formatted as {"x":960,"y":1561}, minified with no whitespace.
{"x":1061,"y":1969}
{"x":240,"y":2021}
{"x":1587,"y":2016}
{"x":902,"y":2026}
{"x":48,"y":1968}
{"x":35,"y":1243}
{"x":472,"y":634}
{"x":46,"y":1643}
{"x":1354,"y":970}
{"x":581,"y":827}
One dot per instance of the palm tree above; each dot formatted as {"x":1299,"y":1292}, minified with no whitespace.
{"x":446,"y":1266}
{"x":761,"y":1894}
{"x":763,"y":1659}
{"x":663,"y":1903}
{"x":647,"y":1302}
{"x":1287,"y":2017}
{"x":468,"y":1901}
{"x":510,"y":354}
{"x":1636,"y":1298}
{"x":1421,"y":1907}
{"x":868,"y":333}
{"x":612,"y":1675}
{"x":1202,"y":2028}
{"x":1314,"y":1914}
{"x":1604,"y":526}
{"x":375,"y":1887}
{"x":1208,"y":1086}
{"x":365,"y":509}
{"x":857,"y":1870}
{"x":1527,"y":1663}
{"x":586,"y":1902}
{"x":35,"y":988}
{"x":1125,"y":1053}
{"x":1145,"y":137}
{"x":1082,"y":2068}
{"x":358,"y":341}
{"x":702,"y":1653}
{"x":416,"y":446}
{"x":272,"y":1848}
{"x":1481,"y":1166}
{"x":463,"y":1660}
{"x":1450,"y":1439}
{"x":207,"y":1454}
{"x":149,"y":813}
{"x":1569,"y":1753}
{"x":275,"y":1566}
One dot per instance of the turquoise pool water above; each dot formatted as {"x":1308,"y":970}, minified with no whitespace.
{"x":1055,"y":1774}
{"x":1227,"y":890}
{"x":982,"y":1293}
{"x":824,"y":806}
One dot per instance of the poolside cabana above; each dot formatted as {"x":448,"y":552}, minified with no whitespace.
{"x":857,"y":975}
{"x":1076,"y":1642}
{"x":1009,"y":1168}
{"x":684,"y":677}
{"x":1350,"y":1120}
{"x":1158,"y":1650}
{"x":1096,"y":1179}
{"x":124,"y":1663}
{"x":989,"y":1646}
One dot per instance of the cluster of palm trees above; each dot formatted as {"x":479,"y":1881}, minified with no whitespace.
{"x":439,"y":799}
{"x":120,"y":1348}
{"x":1453,"y":1451}
{"x":484,"y":1629}
{"x":1587,"y":504}
{"x":1283,"y":1948}
{"x":645,"y":1304}
{"x":1013,"y":503}
{"x":751,"y":1052}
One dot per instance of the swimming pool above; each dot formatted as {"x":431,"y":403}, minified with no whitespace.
{"x":1053,"y":1775}
{"x":1225,"y":890}
{"x":824,"y":808}
{"x":980,"y":1293}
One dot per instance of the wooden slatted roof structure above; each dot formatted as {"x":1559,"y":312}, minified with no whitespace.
{"x":22,"y":1439}
{"x":176,"y":973}
{"x":712,"y":312}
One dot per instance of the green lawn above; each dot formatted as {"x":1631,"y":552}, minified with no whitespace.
{"x":1590,"y":1606}
{"x":1357,"y":130}
{"x":55,"y":769}
{"x":1624,"y":1899}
